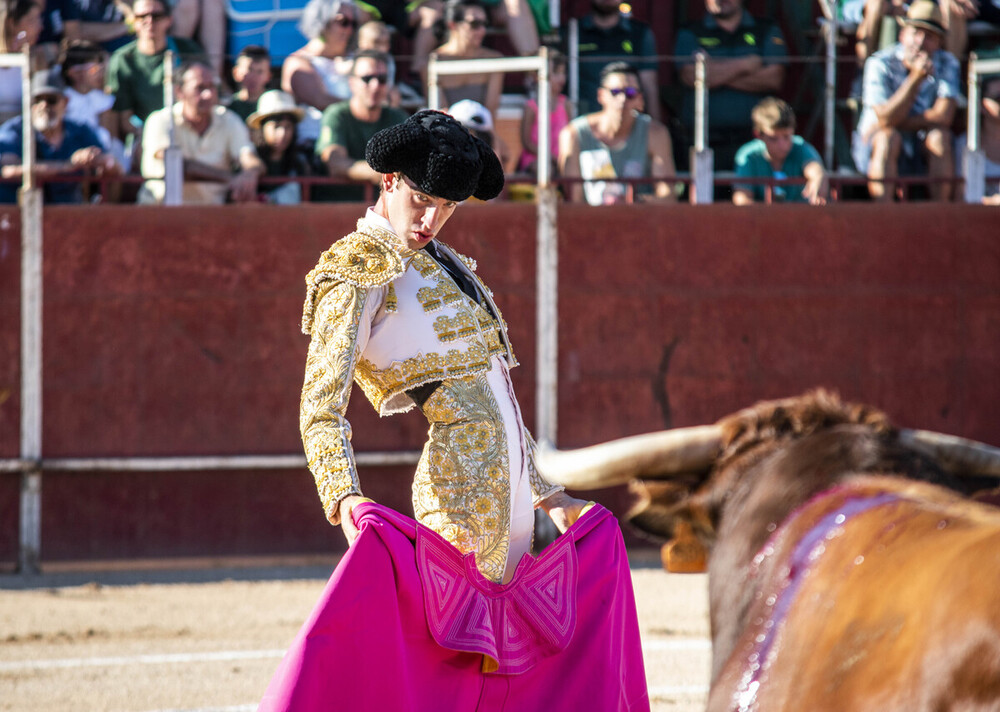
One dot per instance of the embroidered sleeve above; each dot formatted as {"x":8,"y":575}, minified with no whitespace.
{"x":540,"y":487}
{"x":326,"y":434}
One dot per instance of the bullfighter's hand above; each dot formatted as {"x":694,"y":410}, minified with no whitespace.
{"x":563,"y":509}
{"x":346,"y":521}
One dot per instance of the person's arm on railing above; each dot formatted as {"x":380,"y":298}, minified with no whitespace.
{"x":661,"y":159}
{"x":569,"y":161}
{"x":817,"y":187}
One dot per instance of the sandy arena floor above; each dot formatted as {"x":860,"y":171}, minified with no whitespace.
{"x":210,"y":640}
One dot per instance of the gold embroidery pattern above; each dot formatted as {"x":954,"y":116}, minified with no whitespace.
{"x":391,"y":301}
{"x":444,"y":292}
{"x":326,"y":390}
{"x":369,"y":257}
{"x":461,"y":326}
{"x":540,"y":487}
{"x":380,"y":385}
{"x":462,"y":485}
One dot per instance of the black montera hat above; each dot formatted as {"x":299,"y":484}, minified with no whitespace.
{"x":439,"y":155}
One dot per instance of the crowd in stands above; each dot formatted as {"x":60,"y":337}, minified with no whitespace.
{"x":239,"y":125}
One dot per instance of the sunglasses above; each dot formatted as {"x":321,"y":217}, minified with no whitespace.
{"x":154,"y":16}
{"x":629,"y":92}
{"x":345,"y":22}
{"x":475,"y":24}
{"x":380,"y":78}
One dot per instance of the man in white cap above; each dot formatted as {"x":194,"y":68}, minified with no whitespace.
{"x":909,"y":96}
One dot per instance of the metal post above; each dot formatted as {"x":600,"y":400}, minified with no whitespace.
{"x":31,"y":340}
{"x":830,"y":95}
{"x":702,"y":157}
{"x":433,"y":91}
{"x":973,"y":159}
{"x":574,"y":62}
{"x":173,"y":160}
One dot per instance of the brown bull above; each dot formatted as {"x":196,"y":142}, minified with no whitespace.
{"x":837,"y":579}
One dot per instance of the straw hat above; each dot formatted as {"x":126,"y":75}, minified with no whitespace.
{"x":926,"y":15}
{"x":273,"y":103}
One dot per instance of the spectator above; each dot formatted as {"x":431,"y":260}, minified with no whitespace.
{"x":466,"y":25}
{"x":106,"y":22}
{"x":415,"y":20}
{"x":476,"y":118}
{"x":617,"y":142}
{"x":135,"y":71}
{"x":516,"y":16}
{"x":211,"y":138}
{"x":956,"y":15}
{"x":22,"y":23}
{"x":60,"y":22}
{"x":82,"y":65}
{"x":62,"y":147}
{"x":252,"y":74}
{"x":560,"y":113}
{"x":273,"y":126}
{"x":605,"y":32}
{"x":745,"y":64}
{"x":909,"y":96}
{"x":348,"y":126}
{"x":989,"y":135}
{"x":776,"y":152}
{"x":207,"y":18}
{"x":377,"y":37}
{"x":317,"y":73}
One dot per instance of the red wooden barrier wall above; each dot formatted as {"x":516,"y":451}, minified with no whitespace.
{"x":174,"y":331}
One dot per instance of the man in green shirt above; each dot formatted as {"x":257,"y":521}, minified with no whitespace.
{"x":135,"y":71}
{"x":347,"y":126}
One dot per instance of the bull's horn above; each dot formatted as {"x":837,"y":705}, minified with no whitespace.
{"x":616,"y":462}
{"x":955,"y":453}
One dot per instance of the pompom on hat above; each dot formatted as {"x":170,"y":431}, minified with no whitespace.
{"x":439,"y":155}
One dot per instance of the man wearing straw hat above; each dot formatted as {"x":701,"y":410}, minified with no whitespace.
{"x":449,"y":610}
{"x":909,"y":96}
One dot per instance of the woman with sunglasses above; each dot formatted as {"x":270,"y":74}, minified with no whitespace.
{"x":317,"y":73}
{"x":619,"y":141}
{"x":22,"y":23}
{"x":466,"y":26}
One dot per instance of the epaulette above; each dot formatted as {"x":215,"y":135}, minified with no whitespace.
{"x":466,"y":260}
{"x":365,"y":258}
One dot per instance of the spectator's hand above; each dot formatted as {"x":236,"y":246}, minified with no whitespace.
{"x":563,"y":509}
{"x":106,"y":165}
{"x":894,"y":7}
{"x":964,"y":8}
{"x":922,"y":65}
{"x":811,"y":194}
{"x":346,"y":521}
{"x":87,"y":157}
{"x":243,"y":187}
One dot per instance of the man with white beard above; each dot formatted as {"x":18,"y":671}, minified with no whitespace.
{"x":62,"y":147}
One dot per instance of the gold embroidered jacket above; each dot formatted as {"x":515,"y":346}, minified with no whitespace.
{"x":392,"y":319}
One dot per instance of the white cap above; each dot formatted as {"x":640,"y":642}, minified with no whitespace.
{"x":472,"y":115}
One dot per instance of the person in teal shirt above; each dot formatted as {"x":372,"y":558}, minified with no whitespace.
{"x":776,"y":152}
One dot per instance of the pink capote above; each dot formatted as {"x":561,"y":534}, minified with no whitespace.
{"x":406,"y":624}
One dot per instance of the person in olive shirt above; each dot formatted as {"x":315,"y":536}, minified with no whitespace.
{"x":135,"y":71}
{"x":347,"y":126}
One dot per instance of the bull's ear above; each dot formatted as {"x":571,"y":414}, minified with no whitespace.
{"x":684,"y":554}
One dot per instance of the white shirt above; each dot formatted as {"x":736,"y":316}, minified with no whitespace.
{"x":223,"y":144}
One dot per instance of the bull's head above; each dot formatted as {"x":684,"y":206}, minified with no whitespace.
{"x":682,"y":477}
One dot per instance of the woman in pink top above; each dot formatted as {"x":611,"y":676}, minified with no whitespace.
{"x":561,"y":113}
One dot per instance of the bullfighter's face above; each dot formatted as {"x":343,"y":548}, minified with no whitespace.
{"x":415,"y":216}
